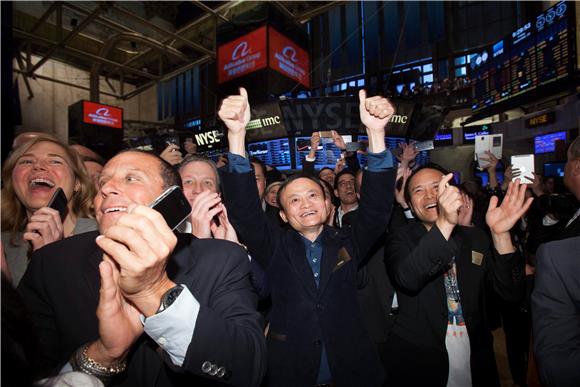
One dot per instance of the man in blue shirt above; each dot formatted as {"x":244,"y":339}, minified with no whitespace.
{"x":316,"y":334}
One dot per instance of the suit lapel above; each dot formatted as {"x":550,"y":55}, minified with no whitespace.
{"x":91,"y":274}
{"x":331,"y":257}
{"x":182,"y":260}
{"x":298,"y":260}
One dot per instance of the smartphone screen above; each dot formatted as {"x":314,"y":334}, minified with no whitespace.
{"x":173,"y":205}
{"x":58,"y":201}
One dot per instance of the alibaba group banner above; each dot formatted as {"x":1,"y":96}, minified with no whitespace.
{"x":242,"y":56}
{"x":289,"y":59}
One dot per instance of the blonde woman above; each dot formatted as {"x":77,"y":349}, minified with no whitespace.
{"x":31,"y":175}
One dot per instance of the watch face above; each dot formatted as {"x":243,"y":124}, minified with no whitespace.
{"x":171,"y":296}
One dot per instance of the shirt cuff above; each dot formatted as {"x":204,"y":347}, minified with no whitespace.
{"x":310,"y":159}
{"x":380,"y":162}
{"x":238,"y":164}
{"x":66,"y":368}
{"x":173,"y":328}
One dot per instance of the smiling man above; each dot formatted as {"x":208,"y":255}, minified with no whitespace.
{"x":170,"y":310}
{"x":440,"y":270}
{"x":316,"y":334}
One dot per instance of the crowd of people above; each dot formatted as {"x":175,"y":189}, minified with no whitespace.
{"x":387,"y":274}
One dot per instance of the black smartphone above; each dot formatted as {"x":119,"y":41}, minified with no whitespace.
{"x":58,"y":201}
{"x":173,"y":205}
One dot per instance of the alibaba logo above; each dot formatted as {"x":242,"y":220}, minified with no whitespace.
{"x":290,"y":53}
{"x":240,"y":51}
{"x":103,"y":112}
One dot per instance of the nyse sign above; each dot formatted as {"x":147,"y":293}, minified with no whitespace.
{"x":209,"y":138}
{"x":304,"y":116}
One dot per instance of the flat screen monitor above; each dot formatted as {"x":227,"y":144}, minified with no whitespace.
{"x":470,"y":132}
{"x":443,"y":137}
{"x":554,"y":168}
{"x":102,"y":115}
{"x":546,"y":143}
{"x":485,"y":177}
{"x":326,"y":155}
{"x":272,"y":152}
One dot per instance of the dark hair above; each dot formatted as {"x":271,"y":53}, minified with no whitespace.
{"x":342,"y":173}
{"x":433,"y":166}
{"x":169,"y":175}
{"x":323,"y":168}
{"x":294,"y":178}
{"x":260,"y":163}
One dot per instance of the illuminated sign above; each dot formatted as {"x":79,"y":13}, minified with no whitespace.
{"x":102,"y":115}
{"x":242,"y":56}
{"x":208,"y":138}
{"x":266,"y":123}
{"x":289,"y":59}
{"x":542,"y":119}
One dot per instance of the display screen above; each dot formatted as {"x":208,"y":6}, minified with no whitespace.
{"x":554,"y":169}
{"x":538,"y":53}
{"x":547,"y":143}
{"x":273,"y":152}
{"x":470,"y":132}
{"x":242,"y":56}
{"x":326,"y":155}
{"x":289,"y":59}
{"x":443,"y":137}
{"x":102,"y":115}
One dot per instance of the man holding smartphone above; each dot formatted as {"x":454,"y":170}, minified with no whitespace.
{"x":170,"y":311}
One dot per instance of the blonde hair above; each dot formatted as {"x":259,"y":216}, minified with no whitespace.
{"x":14,"y":217}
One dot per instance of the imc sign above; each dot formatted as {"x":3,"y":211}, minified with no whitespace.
{"x":289,"y":59}
{"x":242,"y":56}
{"x":102,"y":115}
{"x":265,"y":123}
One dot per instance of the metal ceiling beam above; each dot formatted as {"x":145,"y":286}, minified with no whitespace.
{"x":210,"y":10}
{"x":163,"y":31}
{"x":82,"y":54}
{"x":165,"y":77}
{"x":24,"y":73}
{"x":100,"y":19}
{"x":224,"y":7}
{"x":303,"y":18}
{"x":71,"y":35}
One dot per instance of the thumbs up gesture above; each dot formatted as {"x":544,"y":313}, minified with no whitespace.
{"x":375,"y":112}
{"x":235,"y":112}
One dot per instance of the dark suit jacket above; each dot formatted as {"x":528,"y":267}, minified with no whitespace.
{"x":556,"y":312}
{"x":304,"y":316}
{"x":61,"y":290}
{"x":416,"y":260}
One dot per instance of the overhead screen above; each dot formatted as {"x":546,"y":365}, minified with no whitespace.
{"x":537,"y":54}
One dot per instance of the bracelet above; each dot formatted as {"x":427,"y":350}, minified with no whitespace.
{"x":80,"y":361}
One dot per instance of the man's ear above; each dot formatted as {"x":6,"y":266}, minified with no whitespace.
{"x":283,"y":216}
{"x":576,"y":167}
{"x":336,"y":192}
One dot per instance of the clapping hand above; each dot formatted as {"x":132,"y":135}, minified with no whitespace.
{"x":501,"y":219}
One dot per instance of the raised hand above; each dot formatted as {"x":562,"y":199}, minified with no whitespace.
{"x":203,"y":208}
{"x":449,"y":202}
{"x":340,"y":164}
{"x":491,"y":160}
{"x":140,"y":243}
{"x":338,"y":140}
{"x":314,"y":142}
{"x":119,"y":324}
{"x":375,"y":112}
{"x":235,"y":112}
{"x":171,"y":154}
{"x":43,"y":227}
{"x":408,"y":153}
{"x":402,"y":173}
{"x":514,"y":205}
{"x":465,"y":215}
{"x":225,"y":230}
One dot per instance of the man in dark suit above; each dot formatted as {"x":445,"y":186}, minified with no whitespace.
{"x":440,"y":270}
{"x":192,"y":298}
{"x":572,"y":182}
{"x":556,"y":313}
{"x":316,"y":334}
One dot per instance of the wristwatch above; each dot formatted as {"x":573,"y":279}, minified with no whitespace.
{"x":169,"y":298}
